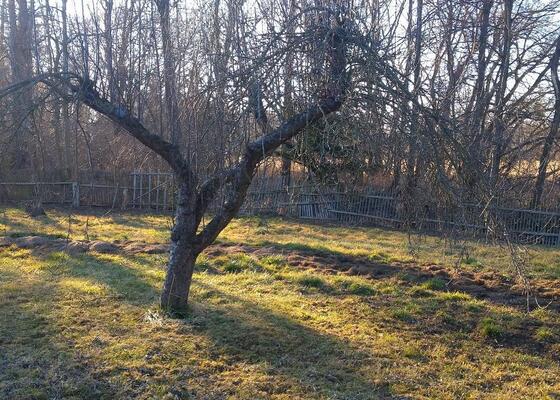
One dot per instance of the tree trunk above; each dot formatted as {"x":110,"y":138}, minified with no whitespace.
{"x":178,"y":280}
{"x":108,"y":18}
{"x":20,"y":57}
{"x":183,"y":252}
{"x":169,"y":75}
{"x":286,"y":167}
{"x":552,"y":134}
{"x":478,"y":104}
{"x":68,"y":161}
{"x":500,"y":141}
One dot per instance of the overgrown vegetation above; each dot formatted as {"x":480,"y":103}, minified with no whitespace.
{"x":88,"y":326}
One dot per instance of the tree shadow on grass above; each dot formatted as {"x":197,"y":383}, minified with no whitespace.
{"x":288,"y":353}
{"x":431,"y":291}
{"x":135,"y":220}
{"x":332,"y":367}
{"x":28,"y":226}
{"x":44,"y":315}
{"x":36,"y":361}
{"x":134,"y":287}
{"x":126,"y":282}
{"x":39,"y":359}
{"x":249,"y":333}
{"x":317,"y":363}
{"x":491,"y":286}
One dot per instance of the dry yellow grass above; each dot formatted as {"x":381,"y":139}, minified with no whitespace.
{"x":88,"y":326}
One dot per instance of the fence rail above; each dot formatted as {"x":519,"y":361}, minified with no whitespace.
{"x":156,"y":191}
{"x":144,"y":190}
{"x":521,"y":225}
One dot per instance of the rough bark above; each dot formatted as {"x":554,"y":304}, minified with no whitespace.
{"x":182,"y":257}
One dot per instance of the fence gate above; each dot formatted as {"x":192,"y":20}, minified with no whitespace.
{"x":153,"y":190}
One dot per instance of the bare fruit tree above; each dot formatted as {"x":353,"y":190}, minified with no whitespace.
{"x":195,"y":194}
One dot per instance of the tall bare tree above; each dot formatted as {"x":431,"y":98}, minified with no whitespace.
{"x":554,"y":127}
{"x":20,"y":45}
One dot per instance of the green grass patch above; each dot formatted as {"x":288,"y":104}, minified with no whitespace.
{"x":455,"y":296}
{"x":237,"y":263}
{"x":361,"y":289}
{"x":490,"y":328}
{"x":544,"y":334}
{"x":310,"y":281}
{"x":406,"y":312}
{"x":434,"y":284}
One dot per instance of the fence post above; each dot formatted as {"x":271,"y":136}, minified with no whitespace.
{"x":75,"y":194}
{"x":134,"y":190}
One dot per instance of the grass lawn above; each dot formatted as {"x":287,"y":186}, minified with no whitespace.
{"x":88,"y":327}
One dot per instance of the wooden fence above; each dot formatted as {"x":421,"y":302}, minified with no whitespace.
{"x":156,"y":191}
{"x":153,"y":190}
{"x":520,"y":225}
{"x":143,"y":190}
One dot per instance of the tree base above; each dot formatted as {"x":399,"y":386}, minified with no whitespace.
{"x":177,"y":313}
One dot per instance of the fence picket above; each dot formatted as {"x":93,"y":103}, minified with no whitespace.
{"x":155,"y":190}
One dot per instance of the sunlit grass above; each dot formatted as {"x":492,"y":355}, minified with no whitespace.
{"x":88,"y":326}
{"x":92,"y":225}
{"x":377,"y":244}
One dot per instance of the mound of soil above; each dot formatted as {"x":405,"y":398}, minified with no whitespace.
{"x":103,"y":247}
{"x":484,"y":285}
{"x":44,"y":245}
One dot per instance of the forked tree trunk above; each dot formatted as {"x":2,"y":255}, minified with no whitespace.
{"x":193,"y":199}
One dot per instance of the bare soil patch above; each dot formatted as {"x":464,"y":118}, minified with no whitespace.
{"x":491,"y":286}
{"x":44,"y":245}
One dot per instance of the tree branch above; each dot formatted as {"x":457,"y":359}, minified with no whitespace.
{"x":239,"y":178}
{"x":75,"y":87}
{"x":84,"y":91}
